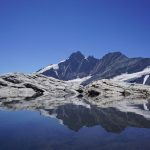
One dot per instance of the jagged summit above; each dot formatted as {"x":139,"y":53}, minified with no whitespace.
{"x":114,"y":55}
{"x":77,"y":55}
{"x":108,"y":60}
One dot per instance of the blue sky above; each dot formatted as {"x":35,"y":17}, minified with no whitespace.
{"x":35,"y":33}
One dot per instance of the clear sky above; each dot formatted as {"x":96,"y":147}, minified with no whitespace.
{"x":35,"y":33}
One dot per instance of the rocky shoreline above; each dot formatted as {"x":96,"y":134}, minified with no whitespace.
{"x":34,"y":91}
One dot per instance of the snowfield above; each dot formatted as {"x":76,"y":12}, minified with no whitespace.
{"x":127,"y":77}
{"x":54,"y":66}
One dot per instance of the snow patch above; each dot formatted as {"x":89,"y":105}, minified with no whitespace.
{"x":54,"y":66}
{"x":79,"y":80}
{"x":82,"y":103}
{"x":54,"y":115}
{"x":86,"y":58}
{"x":62,"y":61}
{"x":145,"y":79}
{"x":145,"y":107}
{"x":56,"y":73}
{"x":126,"y":76}
{"x":127,"y":106}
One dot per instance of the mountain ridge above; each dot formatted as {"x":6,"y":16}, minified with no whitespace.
{"x":110,"y":65}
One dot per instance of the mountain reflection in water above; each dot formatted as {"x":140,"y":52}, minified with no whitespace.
{"x":112,"y":120}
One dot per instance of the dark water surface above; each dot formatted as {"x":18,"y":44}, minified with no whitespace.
{"x":83,"y":129}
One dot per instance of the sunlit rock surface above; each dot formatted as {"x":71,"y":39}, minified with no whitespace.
{"x":106,"y":91}
{"x":21,"y":86}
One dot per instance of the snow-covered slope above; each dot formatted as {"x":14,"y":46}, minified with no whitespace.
{"x":142,"y":77}
{"x":53,"y":66}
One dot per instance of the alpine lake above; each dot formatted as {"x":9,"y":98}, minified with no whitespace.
{"x":73,"y":127}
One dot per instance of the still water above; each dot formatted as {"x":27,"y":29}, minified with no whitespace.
{"x":75,"y":128}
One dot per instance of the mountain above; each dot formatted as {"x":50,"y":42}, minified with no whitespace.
{"x":111,"y":65}
{"x":76,"y":66}
{"x":115,"y":64}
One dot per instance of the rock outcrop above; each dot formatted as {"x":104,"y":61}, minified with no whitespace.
{"x":110,"y":88}
{"x":33,"y":86}
{"x":106,"y":91}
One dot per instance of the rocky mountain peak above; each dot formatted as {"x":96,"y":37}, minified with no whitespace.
{"x":114,"y":55}
{"x":91,"y":58}
{"x":77,"y":55}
